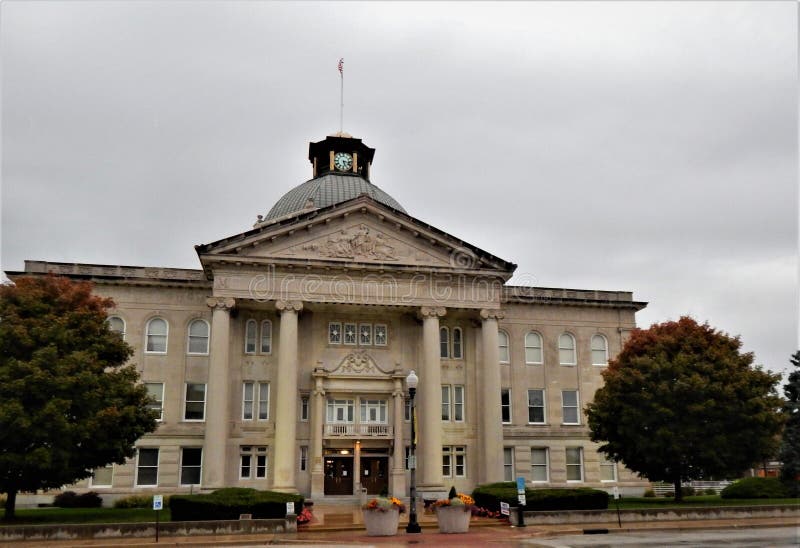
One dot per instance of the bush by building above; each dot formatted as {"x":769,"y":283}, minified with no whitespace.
{"x":755,"y":488}
{"x":491,"y":495}
{"x":230,"y":503}
{"x":70,"y":499}
{"x":137,"y":501}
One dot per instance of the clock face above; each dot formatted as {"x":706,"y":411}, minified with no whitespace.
{"x":343,"y":161}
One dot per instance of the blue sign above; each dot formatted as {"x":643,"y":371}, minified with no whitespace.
{"x":520,"y":485}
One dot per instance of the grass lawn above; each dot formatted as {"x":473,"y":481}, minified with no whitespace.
{"x":637,"y":503}
{"x":43,"y":516}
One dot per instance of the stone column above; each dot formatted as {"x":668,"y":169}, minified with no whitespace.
{"x":491,"y":420}
{"x":217,"y":419}
{"x":286,"y":401}
{"x":317,"y":426}
{"x":429,"y":405}
{"x":397,"y":487}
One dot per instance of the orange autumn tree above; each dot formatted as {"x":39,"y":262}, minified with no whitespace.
{"x":682,"y":402}
{"x":68,"y":402}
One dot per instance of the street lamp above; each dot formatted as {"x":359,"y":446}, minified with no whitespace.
{"x":413,"y":526}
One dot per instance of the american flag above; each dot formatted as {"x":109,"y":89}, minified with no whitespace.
{"x":341,"y":66}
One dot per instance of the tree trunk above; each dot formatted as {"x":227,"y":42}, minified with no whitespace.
{"x":678,"y":494}
{"x":11,"y":503}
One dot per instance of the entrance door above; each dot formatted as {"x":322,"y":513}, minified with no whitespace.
{"x":375,"y":474}
{"x":338,"y":475}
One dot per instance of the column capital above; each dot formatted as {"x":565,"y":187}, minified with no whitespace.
{"x":492,"y":314}
{"x":431,"y":312}
{"x":286,"y":306}
{"x":221,"y":303}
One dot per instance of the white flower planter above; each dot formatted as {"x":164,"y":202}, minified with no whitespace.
{"x":381,"y":524}
{"x":453,"y":519}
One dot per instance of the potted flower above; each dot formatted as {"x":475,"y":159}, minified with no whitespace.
{"x":381,"y":516}
{"x":454,"y":512}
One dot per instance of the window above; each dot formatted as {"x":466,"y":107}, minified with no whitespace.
{"x":266,"y":337}
{"x":191,"y":460}
{"x":536,"y":409}
{"x":458,"y":343}
{"x":599,"y":350}
{"x":569,"y":407}
{"x":248,"y":400}
{"x":365,"y":334}
{"x":252,"y":462}
{"x":445,"y":403}
{"x":334,"y":333}
{"x":303,"y":458}
{"x":250,"y":337}
{"x":147,"y":467}
{"x":156,"y":336}
{"x":539,"y":465}
{"x":505,"y":405}
{"x":263,"y":401}
{"x":444,"y":342}
{"x":198,"y":337}
{"x":505,"y":356}
{"x":574,"y":464}
{"x":608,"y":468}
{"x":508,"y":464}
{"x":566,"y":349}
{"x":380,"y":334}
{"x":373,"y":411}
{"x":533,"y":348}
{"x":304,"y":408}
{"x":103,"y":477}
{"x":454,"y":461}
{"x":195,"y":406}
{"x":458,"y":403}
{"x":156,"y":391}
{"x":117,"y":325}
{"x":350,"y":333}
{"x":340,"y":410}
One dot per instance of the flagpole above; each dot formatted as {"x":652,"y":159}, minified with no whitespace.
{"x":341,"y":95}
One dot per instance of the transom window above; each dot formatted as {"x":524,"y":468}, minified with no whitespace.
{"x":198,"y":337}
{"x":533,"y":348}
{"x":566,"y":349}
{"x":357,"y":334}
{"x":156,"y":333}
{"x":505,"y":355}
{"x":599,"y":350}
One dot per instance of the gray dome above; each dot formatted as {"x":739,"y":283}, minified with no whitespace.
{"x":327,"y":190}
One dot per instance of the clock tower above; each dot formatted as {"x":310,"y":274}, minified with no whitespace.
{"x":341,"y":154}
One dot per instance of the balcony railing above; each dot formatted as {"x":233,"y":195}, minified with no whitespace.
{"x":344,"y":430}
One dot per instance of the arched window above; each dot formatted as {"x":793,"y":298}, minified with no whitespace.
{"x":505,"y":355}
{"x":444,"y":342}
{"x":250,"y":337}
{"x":458,"y":343}
{"x":117,"y":325}
{"x":198,"y":337}
{"x":599,"y":350}
{"x":157,"y":330}
{"x":266,"y":337}
{"x":566,"y":349}
{"x":533,"y":348}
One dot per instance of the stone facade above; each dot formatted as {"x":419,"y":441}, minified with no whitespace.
{"x":295,"y":378}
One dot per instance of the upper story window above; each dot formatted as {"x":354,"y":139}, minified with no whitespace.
{"x":505,"y":355}
{"x":250,"y":328}
{"x":198,"y":337}
{"x":533,"y":348}
{"x":340,"y":410}
{"x":373,"y":411}
{"x":266,"y":337}
{"x":444,"y":342}
{"x":156,"y":332}
{"x":357,"y":334}
{"x":458,"y":343}
{"x":599,"y":350}
{"x":566,"y":349}
{"x":117,"y":325}
{"x":156,"y":391}
{"x":194,"y":406}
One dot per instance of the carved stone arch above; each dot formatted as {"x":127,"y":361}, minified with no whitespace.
{"x":359,"y":362}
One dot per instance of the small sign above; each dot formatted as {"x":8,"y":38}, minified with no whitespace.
{"x":289,"y":508}
{"x":520,"y":485}
{"x":616,"y":492}
{"x":505,"y":508}
{"x":522,"y":501}
{"x":158,"y":502}
{"x":412,"y":462}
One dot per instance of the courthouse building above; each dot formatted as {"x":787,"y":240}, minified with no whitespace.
{"x":281,"y":363}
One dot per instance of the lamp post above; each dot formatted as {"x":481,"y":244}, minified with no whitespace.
{"x":413,"y":526}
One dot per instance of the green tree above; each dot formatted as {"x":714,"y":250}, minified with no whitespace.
{"x":790,"y":446}
{"x":68,"y":404}
{"x":681,"y":402}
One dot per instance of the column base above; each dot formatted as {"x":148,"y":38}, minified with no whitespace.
{"x":285,"y":489}
{"x":397,"y":484}
{"x":317,"y":484}
{"x":431,"y":492}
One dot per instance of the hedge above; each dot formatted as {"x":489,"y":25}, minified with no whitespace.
{"x":232,"y":502}
{"x":755,"y":488}
{"x":491,"y":495}
{"x":70,"y":499}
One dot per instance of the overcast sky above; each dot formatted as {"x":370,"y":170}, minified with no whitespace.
{"x":641,"y":146}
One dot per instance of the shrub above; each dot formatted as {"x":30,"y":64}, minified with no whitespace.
{"x":755,"y":488}
{"x":137,"y":501}
{"x":710,"y":491}
{"x":69,"y":499}
{"x":491,"y":495}
{"x":232,"y":502}
{"x":649,"y":493}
